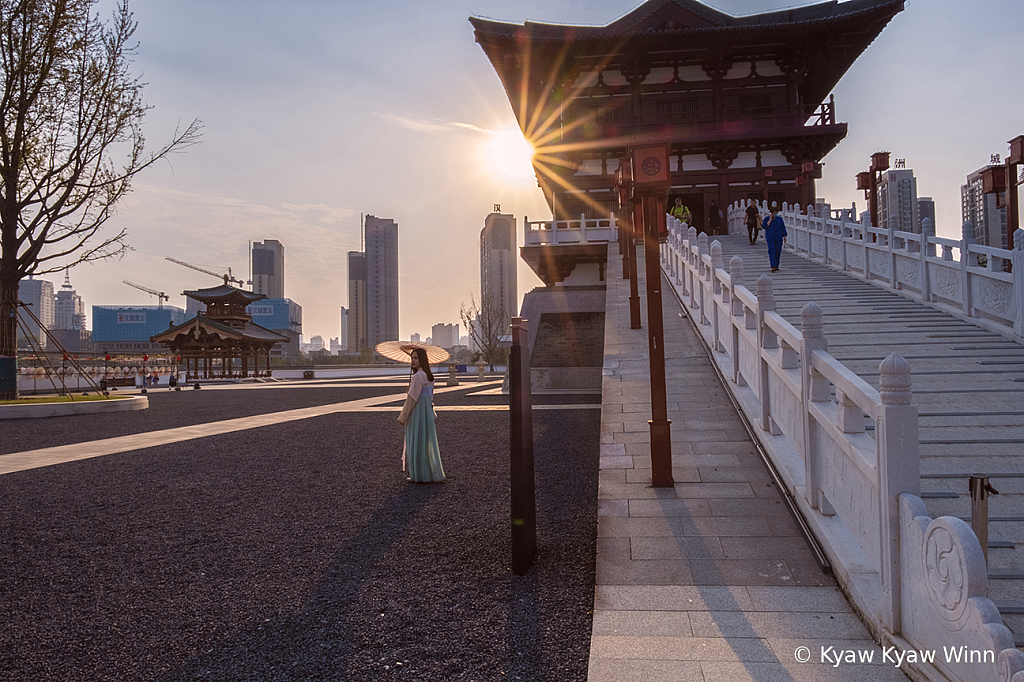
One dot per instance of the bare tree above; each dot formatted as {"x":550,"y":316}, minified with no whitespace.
{"x":70,"y":143}
{"x":487,"y":323}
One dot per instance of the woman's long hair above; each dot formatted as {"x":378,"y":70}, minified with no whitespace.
{"x":424,"y":365}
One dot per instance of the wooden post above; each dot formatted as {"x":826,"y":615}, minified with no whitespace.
{"x":524,"y":508}
{"x":634,"y":286}
{"x":661,"y":432}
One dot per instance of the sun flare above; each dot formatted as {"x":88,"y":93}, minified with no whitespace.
{"x":508,"y":156}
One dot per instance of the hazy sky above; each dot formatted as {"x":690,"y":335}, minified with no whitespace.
{"x":318,"y":110}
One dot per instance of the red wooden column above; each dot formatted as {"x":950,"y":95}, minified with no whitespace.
{"x":651,"y":181}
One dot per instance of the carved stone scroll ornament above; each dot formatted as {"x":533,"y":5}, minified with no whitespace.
{"x":946,"y":573}
{"x":834,"y":250}
{"x":906,"y":270}
{"x":943,"y":599}
{"x":879,"y":263}
{"x":855,"y":258}
{"x":996,"y":296}
{"x":947,"y":282}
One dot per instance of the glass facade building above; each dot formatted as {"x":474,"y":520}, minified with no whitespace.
{"x":277,"y":314}
{"x":128,"y":328}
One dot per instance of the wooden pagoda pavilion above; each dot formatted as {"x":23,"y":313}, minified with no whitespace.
{"x":744,"y":100}
{"x":211,"y":342}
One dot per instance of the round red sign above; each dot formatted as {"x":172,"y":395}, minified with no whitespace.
{"x":651,"y":166}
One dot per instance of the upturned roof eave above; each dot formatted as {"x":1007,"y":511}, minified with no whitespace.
{"x":625,"y":27}
{"x":223,"y":292}
{"x":229,"y":332}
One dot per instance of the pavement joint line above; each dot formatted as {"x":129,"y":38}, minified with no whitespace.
{"x":34,"y":459}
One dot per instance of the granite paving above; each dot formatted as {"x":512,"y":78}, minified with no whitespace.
{"x":709,"y":579}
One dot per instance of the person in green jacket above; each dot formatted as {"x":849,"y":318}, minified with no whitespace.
{"x":682,"y":213}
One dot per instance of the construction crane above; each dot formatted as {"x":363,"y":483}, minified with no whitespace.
{"x":227,"y":278}
{"x":160,"y":296}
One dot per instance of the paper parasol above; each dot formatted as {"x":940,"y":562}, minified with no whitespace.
{"x":400,"y":351}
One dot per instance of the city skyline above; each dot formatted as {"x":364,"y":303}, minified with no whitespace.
{"x":306,"y":131}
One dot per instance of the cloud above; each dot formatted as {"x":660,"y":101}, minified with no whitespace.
{"x":330,"y":214}
{"x":435,"y":126}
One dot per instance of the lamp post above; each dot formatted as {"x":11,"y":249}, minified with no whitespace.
{"x":1013,"y":159}
{"x":651,"y":182}
{"x":633,"y":221}
{"x":1003,"y":181}
{"x":809,"y":172}
{"x":868,"y":181}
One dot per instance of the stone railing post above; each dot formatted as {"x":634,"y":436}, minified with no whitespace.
{"x":736,"y":281}
{"x":825,"y":216}
{"x":843,"y":221}
{"x":716,"y":290}
{"x":766,"y":340}
{"x":677,"y":255}
{"x":691,"y":241}
{"x":899,"y":471}
{"x":927,"y":249}
{"x":716,"y":264}
{"x":967,"y":260}
{"x":1018,"y":281}
{"x":702,"y":250}
{"x":890,"y":244}
{"x":814,"y":388}
{"x":680,"y":253}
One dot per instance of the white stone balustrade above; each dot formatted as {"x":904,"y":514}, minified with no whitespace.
{"x":565,"y":232}
{"x":917,"y":581}
{"x":920,"y":266}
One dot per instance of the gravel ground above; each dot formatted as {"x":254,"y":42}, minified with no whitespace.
{"x":171,"y":409}
{"x":299,"y":552}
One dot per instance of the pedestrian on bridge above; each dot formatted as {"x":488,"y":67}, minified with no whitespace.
{"x":715,"y":218}
{"x":681,"y":212}
{"x":775,"y":234}
{"x":421,"y":456}
{"x":753,"y":223}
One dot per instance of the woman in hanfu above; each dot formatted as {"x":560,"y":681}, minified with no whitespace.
{"x":421,"y":456}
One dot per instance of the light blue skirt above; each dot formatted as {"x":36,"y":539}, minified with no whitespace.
{"x":422,"y":455}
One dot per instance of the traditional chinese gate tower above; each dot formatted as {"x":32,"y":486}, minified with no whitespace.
{"x":737,"y":97}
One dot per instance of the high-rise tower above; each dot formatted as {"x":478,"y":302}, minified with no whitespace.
{"x":268,"y":268}
{"x":983,"y":211}
{"x":498,"y":279}
{"x":357,"y":338}
{"x":39,"y":294}
{"x":69,"y":312}
{"x":897,"y":201}
{"x":381,"y":254}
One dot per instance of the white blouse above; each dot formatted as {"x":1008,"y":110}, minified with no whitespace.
{"x":420,"y":386}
